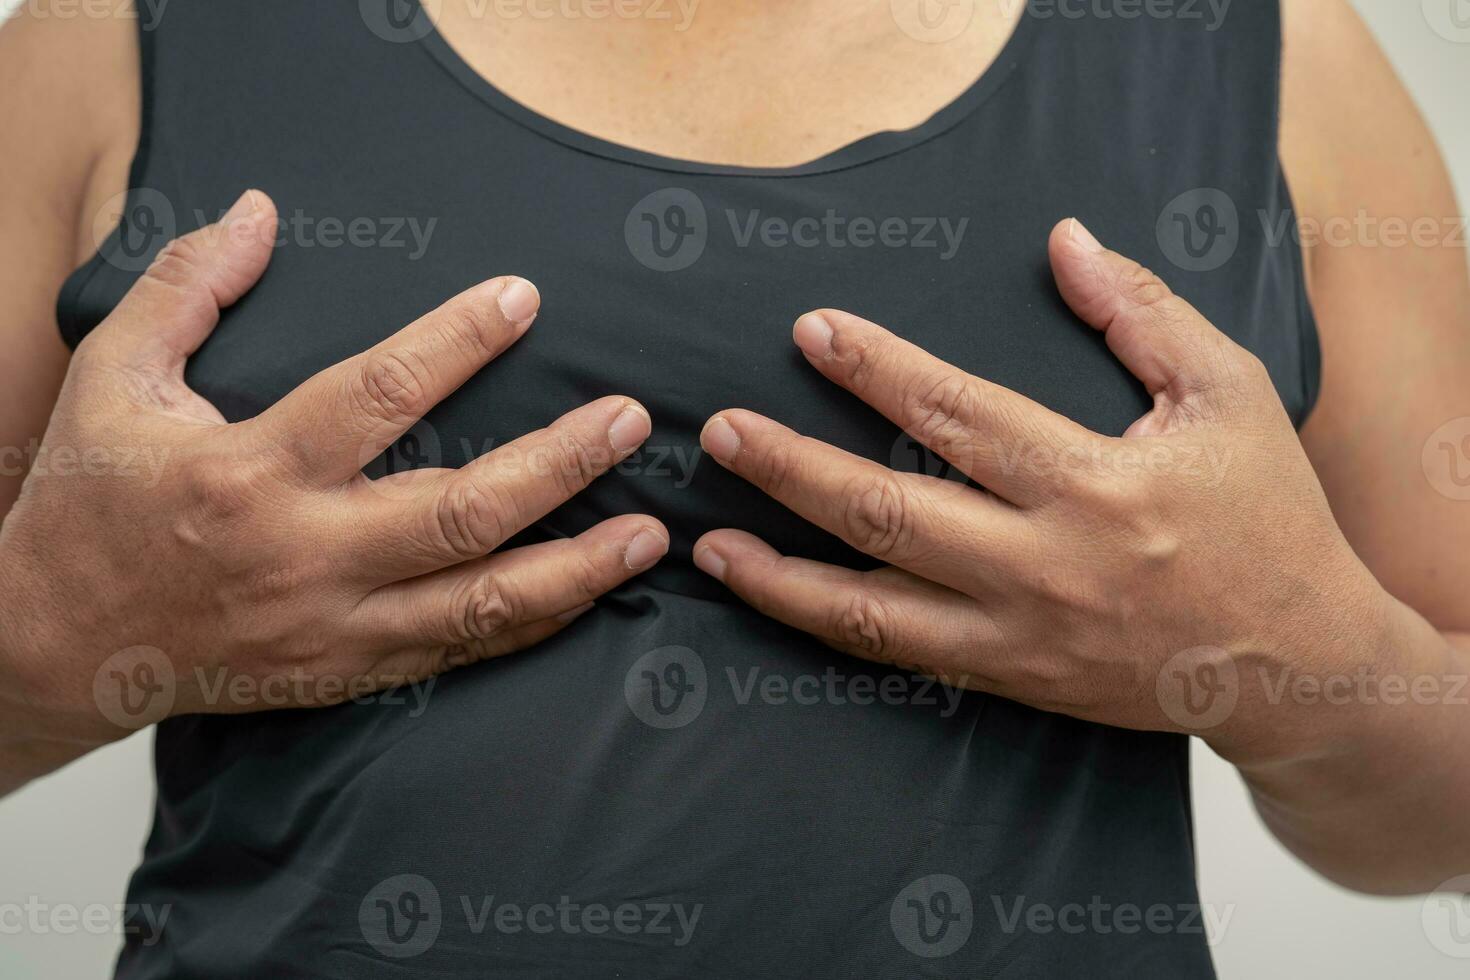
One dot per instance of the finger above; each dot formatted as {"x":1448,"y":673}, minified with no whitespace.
{"x":480,"y":600}
{"x":343,"y":418}
{"x":413,"y":527}
{"x":888,"y":616}
{"x":980,"y":427}
{"x":175,"y":305}
{"x":929,"y":526}
{"x":415,"y":665}
{"x":1185,"y":362}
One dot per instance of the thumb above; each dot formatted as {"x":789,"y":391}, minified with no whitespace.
{"x":176,"y":303}
{"x":1181,"y":358}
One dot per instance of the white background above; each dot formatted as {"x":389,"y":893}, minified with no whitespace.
{"x":74,"y":837}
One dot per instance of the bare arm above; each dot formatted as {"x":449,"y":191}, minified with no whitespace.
{"x":69,"y":106}
{"x":118,"y":599}
{"x":1386,"y":811}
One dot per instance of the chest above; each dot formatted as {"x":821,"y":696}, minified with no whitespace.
{"x":753,"y":84}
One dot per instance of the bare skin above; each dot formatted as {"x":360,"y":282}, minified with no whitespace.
{"x":1369,"y":795}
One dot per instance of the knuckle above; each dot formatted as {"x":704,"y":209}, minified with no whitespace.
{"x":393,"y":386}
{"x":572,"y":465}
{"x":470,"y":520}
{"x":220,"y":491}
{"x":866,"y":623}
{"x":778,"y":466}
{"x":484,"y":608}
{"x":878,"y":518}
{"x":1251,"y":370}
{"x":587,"y":577}
{"x":177,"y":264}
{"x":860,"y":357}
{"x":470,"y":327}
{"x":1142,"y":286}
{"x":939,"y":406}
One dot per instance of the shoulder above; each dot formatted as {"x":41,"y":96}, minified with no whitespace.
{"x":1347,"y":122}
{"x":70,"y":93}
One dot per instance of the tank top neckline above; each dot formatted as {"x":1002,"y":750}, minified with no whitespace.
{"x":863,"y":150}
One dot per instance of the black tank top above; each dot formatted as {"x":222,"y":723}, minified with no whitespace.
{"x":675,"y":786}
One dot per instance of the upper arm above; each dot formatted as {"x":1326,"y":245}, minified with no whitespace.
{"x":1394,"y":316}
{"x":69,"y":108}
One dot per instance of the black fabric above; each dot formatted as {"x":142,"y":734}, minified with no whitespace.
{"x":807,"y":834}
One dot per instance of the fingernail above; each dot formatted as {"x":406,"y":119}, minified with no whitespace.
{"x":629,"y":429}
{"x":1078,"y":233}
{"x":721,"y":440}
{"x":519,"y":301}
{"x":646,"y":548}
{"x":710,"y":562}
{"x":813,"y":334}
{"x":572,"y":614}
{"x":244,"y":206}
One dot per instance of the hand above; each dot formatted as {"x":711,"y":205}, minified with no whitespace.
{"x":1087,"y":568}
{"x":262,"y":552}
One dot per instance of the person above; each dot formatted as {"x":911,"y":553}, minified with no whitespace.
{"x":866,"y":646}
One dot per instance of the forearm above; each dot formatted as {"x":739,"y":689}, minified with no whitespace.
{"x":1378,"y":798}
{"x":33,"y":741}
